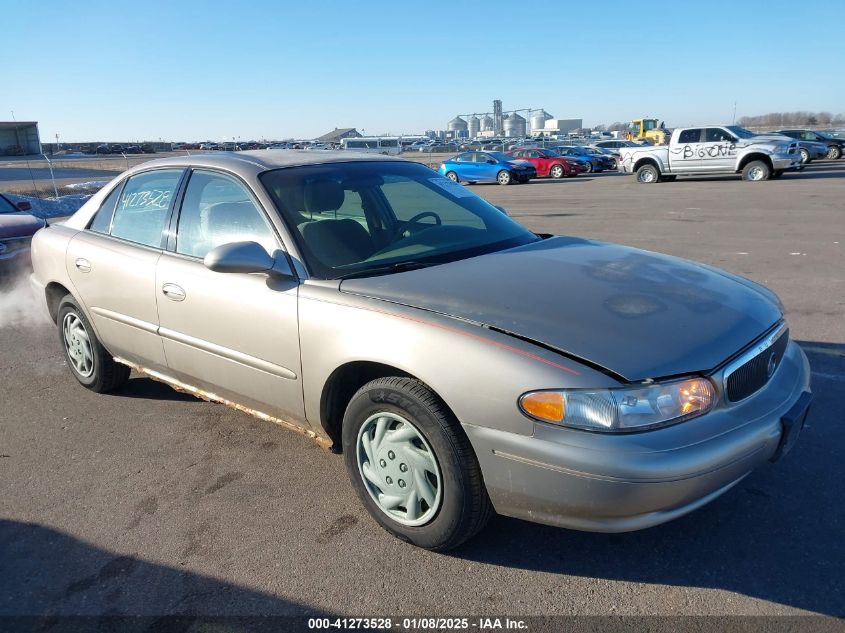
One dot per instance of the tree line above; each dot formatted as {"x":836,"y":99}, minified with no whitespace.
{"x":772,"y":119}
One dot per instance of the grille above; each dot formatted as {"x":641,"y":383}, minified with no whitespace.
{"x":756,"y":372}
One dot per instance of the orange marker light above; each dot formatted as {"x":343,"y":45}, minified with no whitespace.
{"x":545,"y":405}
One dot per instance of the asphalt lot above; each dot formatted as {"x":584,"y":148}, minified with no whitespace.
{"x":147,"y":501}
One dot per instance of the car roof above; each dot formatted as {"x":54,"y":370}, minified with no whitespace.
{"x":257,"y":161}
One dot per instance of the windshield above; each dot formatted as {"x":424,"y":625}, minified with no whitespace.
{"x":6,"y":206}
{"x":348,"y":218}
{"x":741,"y":132}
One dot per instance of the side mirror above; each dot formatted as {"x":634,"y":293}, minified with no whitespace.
{"x":245,"y":257}
{"x":23,"y":206}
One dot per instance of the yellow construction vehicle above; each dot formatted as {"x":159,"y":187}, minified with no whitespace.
{"x":648,"y":130}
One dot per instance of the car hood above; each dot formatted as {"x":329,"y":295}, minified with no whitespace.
{"x":635,"y":313}
{"x":19,"y":225}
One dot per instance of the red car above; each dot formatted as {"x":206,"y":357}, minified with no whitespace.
{"x":548,"y":162}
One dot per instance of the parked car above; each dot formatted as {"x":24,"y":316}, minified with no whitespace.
{"x":461,"y":363}
{"x":606,"y":151}
{"x":148,"y":148}
{"x":549,"y":163}
{"x":835,"y":147}
{"x":726,"y":149}
{"x":487,"y":167}
{"x":209,"y":145}
{"x":132,"y":149}
{"x":616,"y":144}
{"x":17,"y":226}
{"x":103,"y":149}
{"x":594,"y":162}
{"x":116,"y":148}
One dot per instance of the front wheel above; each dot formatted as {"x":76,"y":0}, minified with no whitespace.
{"x":589,"y":167}
{"x":648,"y":174}
{"x":756,"y":171}
{"x":834,"y":153}
{"x":805,"y":156}
{"x":556,"y":171}
{"x":88,"y":360}
{"x":504,"y":177}
{"x":412,"y":465}
{"x":452,"y":176}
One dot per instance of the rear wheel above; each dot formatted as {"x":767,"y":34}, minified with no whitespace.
{"x":452,"y":176}
{"x":648,"y":174}
{"x":589,"y":167}
{"x":556,"y":171}
{"x":412,"y":465}
{"x":834,"y":152}
{"x":88,"y":360}
{"x":756,"y":171}
{"x":504,"y":177}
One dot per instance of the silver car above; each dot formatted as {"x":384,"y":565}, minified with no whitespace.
{"x":461,"y":363}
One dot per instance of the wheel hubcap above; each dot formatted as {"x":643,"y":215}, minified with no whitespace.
{"x":504,"y":178}
{"x":399,"y":469}
{"x":78,"y":345}
{"x":647,"y":176}
{"x":453,"y":177}
{"x":756,"y":174}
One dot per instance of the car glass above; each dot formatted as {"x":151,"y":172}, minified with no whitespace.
{"x":144,"y":206}
{"x":217,"y":210}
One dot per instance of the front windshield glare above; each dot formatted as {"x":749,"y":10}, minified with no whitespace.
{"x":741,"y":132}
{"x":349,"y":218}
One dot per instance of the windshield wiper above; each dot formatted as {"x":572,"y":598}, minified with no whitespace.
{"x":399,"y":267}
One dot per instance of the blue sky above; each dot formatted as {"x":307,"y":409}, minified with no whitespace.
{"x":190,"y":70}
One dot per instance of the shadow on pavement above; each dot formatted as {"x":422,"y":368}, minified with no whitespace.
{"x":51,"y":574}
{"x":776,"y":536}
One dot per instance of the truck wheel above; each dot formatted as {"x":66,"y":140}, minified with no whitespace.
{"x":834,"y":152}
{"x":412,"y":465}
{"x":504,"y":177}
{"x":556,"y":171}
{"x":805,"y":156}
{"x":88,"y":360}
{"x":648,"y":174}
{"x":756,"y":171}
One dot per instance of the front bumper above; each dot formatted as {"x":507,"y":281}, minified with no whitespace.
{"x":786,"y":162}
{"x":618,"y":483}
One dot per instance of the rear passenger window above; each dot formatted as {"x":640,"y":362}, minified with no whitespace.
{"x":689,"y":136}
{"x":144,"y":206}
{"x":102,"y":220}
{"x":218,"y":210}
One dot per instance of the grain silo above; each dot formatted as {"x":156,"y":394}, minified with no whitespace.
{"x":514,"y":126}
{"x":474,"y":126}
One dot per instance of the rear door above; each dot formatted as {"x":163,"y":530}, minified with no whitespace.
{"x":686,"y":154}
{"x":112,"y":264}
{"x":233,"y":334}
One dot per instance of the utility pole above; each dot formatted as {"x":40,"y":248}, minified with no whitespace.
{"x":733,"y":120}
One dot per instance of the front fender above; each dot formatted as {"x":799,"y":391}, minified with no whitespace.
{"x":480,"y":373}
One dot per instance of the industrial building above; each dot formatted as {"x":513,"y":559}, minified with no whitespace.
{"x":509,"y":123}
{"x":18,"y":138}
{"x":338,"y":134}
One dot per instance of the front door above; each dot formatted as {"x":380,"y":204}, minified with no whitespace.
{"x":235,"y":335}
{"x":719,"y":149}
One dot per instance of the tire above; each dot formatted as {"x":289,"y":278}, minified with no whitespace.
{"x":589,"y":167}
{"x":89,"y":362}
{"x":756,"y":171}
{"x":452,"y":176}
{"x":805,"y":156}
{"x":648,"y":174}
{"x":432,"y":441}
{"x":557,"y":171}
{"x":504,"y":177}
{"x":834,"y":152}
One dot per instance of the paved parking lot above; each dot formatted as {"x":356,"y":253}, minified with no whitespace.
{"x":147,"y":501}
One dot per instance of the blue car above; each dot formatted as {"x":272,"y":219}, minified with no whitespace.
{"x":595,"y":162}
{"x":487,"y":167}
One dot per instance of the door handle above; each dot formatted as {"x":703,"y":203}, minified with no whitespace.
{"x":83,"y":265}
{"x":174,"y":292}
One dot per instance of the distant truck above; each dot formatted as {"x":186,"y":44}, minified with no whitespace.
{"x":725,"y":149}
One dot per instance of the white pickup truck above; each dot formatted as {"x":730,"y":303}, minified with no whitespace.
{"x":717,"y":149}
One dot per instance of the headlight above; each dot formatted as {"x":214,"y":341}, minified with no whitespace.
{"x":620,"y":410}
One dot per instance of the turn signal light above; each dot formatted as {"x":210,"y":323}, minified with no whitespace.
{"x":545,"y":405}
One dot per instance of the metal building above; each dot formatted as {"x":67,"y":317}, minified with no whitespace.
{"x":514,"y":126}
{"x":19,"y":138}
{"x":487,"y":124}
{"x":474,"y":126}
{"x":538,"y":118}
